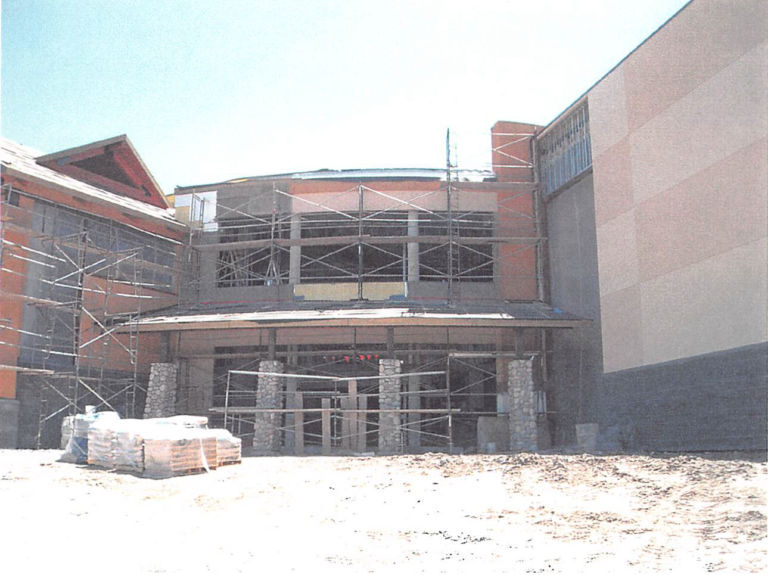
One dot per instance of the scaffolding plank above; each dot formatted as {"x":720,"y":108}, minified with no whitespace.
{"x":25,"y":369}
{"x":366,"y":239}
{"x":30,"y":299}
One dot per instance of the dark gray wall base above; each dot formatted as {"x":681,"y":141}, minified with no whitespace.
{"x":36,"y":398}
{"x":9,"y":423}
{"x":711,"y":402}
{"x":28,"y":392}
{"x":577,"y":363}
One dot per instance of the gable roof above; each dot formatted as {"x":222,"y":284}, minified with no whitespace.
{"x":20,"y":161}
{"x":112,"y":164}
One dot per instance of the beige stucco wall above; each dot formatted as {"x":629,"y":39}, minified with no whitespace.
{"x":679,"y":159}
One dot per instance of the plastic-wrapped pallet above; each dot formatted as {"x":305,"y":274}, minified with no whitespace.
{"x":66,"y":430}
{"x":229,"y":448}
{"x":171,"y":450}
{"x":101,"y":443}
{"x":129,"y":445}
{"x":77,"y":447}
{"x":190,"y":421}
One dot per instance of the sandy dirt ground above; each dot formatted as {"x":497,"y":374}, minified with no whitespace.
{"x":411,"y":514}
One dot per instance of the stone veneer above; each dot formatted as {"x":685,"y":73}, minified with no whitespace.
{"x":266,"y":436}
{"x":390,"y":440}
{"x":522,"y":415}
{"x":161,"y":393}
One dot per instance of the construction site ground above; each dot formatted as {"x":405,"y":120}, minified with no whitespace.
{"x":414,"y":513}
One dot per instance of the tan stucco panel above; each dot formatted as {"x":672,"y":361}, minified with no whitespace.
{"x":621,"y":322}
{"x":714,"y":211}
{"x":613,"y":183}
{"x":688,"y":50}
{"x":716,"y":304}
{"x":720,"y":117}
{"x":617,"y":254}
{"x":608,"y":112}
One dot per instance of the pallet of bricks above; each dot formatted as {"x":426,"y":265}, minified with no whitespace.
{"x":155,"y":448}
{"x":229,"y":448}
{"x":170,"y":450}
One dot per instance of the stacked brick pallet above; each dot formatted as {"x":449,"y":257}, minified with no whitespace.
{"x":171,"y":451}
{"x":129,"y":446}
{"x":101,"y":444}
{"x":157,"y":448}
{"x":229,"y":448}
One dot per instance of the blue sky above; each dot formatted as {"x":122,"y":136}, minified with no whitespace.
{"x":209,"y":91}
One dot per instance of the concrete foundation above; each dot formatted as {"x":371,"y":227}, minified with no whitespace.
{"x":9,"y":423}
{"x":161,"y":392}
{"x":390,"y":432}
{"x":266,"y":436}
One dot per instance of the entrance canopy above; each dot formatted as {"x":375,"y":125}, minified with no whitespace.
{"x":359,"y":314}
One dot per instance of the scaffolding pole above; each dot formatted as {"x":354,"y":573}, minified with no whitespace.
{"x":82,"y":277}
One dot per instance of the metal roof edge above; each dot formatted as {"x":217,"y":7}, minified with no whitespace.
{"x":166,"y":217}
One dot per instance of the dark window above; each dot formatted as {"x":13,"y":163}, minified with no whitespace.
{"x":332,"y":263}
{"x":472,"y":258}
{"x":565,"y":151}
{"x":264,"y":263}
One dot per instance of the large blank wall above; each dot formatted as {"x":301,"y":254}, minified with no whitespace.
{"x":680,"y":156}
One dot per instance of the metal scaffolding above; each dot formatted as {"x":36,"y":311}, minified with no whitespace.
{"x":445,"y":389}
{"x":390,"y":236}
{"x":84,"y":277}
{"x":454,"y":234}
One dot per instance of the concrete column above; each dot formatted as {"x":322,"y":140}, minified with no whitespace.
{"x":290,"y":403}
{"x":414,"y":402}
{"x":413,"y":248}
{"x":294,"y":270}
{"x":522,"y":416}
{"x":9,"y":423}
{"x":289,"y":438}
{"x":326,"y":425}
{"x":389,"y":398}
{"x":266,"y":436}
{"x":298,"y":423}
{"x":161,"y":392}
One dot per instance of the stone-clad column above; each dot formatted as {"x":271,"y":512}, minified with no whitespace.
{"x":161,"y":392}
{"x":389,"y":398}
{"x":522,"y":416}
{"x":266,"y":436}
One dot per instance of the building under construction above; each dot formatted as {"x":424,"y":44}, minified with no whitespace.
{"x":396,"y":302}
{"x":88,"y":243}
{"x":607,"y":274}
